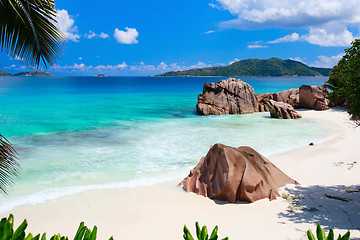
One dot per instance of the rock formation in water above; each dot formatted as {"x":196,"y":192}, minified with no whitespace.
{"x":235,"y":174}
{"x":229,"y":96}
{"x":313,"y":97}
{"x":290,"y":96}
{"x":282,"y":110}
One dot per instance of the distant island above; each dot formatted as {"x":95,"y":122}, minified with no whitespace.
{"x":4,"y":73}
{"x":33,"y":73}
{"x":272,"y":67}
{"x":101,"y":75}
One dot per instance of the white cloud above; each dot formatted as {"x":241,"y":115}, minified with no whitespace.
{"x":298,"y":59}
{"x":112,"y":67}
{"x":256,"y":46}
{"x":288,"y":38}
{"x":103,"y":35}
{"x":323,"y":19}
{"x":126,"y":37}
{"x":208,"y":32}
{"x":328,"y":62}
{"x":66,"y":24}
{"x":90,"y":35}
{"x":80,"y":58}
{"x":329,"y":38}
{"x":200,"y":65}
{"x":235,"y":60}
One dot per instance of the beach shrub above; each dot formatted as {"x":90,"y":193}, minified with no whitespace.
{"x":344,"y":81}
{"x":320,"y":233}
{"x":202,"y":234}
{"x":7,"y":232}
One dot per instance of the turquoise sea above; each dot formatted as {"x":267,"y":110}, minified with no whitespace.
{"x":78,"y":133}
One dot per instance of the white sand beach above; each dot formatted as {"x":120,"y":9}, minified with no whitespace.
{"x":325,"y":171}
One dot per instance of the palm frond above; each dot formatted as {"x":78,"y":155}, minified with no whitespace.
{"x":9,"y":165}
{"x":28,"y":30}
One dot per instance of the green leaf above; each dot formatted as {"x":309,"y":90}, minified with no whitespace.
{"x":93,"y":234}
{"x":198,"y":230}
{"x":43,"y":237}
{"x":19,"y":233}
{"x":346,"y":236}
{"x":331,"y":235}
{"x":204,"y":233}
{"x":111,"y":238}
{"x":187,"y":234}
{"x":320,"y":233}
{"x":225,"y":238}
{"x":310,"y":235}
{"x":214,"y":235}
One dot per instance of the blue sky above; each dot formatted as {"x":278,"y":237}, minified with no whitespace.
{"x":139,"y":38}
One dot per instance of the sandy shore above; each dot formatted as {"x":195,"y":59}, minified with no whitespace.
{"x":326,"y":171}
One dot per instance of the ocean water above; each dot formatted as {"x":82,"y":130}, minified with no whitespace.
{"x":78,"y":133}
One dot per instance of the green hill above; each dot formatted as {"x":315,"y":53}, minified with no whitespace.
{"x":271,"y":67}
{"x":34,"y":73}
{"x":4,"y":73}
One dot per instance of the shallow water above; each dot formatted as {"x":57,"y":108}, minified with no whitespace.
{"x":77,"y":133}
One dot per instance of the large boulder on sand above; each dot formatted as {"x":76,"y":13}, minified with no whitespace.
{"x":229,"y":96}
{"x":290,"y":96}
{"x":282,"y":110}
{"x":313,"y":97}
{"x":235,"y":174}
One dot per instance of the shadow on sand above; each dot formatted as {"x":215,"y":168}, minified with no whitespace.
{"x":333,"y":206}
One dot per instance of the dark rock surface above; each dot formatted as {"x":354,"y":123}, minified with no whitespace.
{"x":229,"y":96}
{"x":290,"y":96}
{"x":235,"y":174}
{"x":313,"y":97}
{"x":282,"y":110}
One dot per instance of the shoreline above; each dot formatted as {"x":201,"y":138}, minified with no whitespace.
{"x":161,"y":210}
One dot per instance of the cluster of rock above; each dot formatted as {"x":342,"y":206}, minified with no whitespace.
{"x":235,"y":174}
{"x":233,"y":96}
{"x":282,"y":110}
{"x":229,"y":96}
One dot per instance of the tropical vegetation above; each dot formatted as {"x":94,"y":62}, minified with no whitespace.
{"x":7,"y":232}
{"x":255,"y":67}
{"x":9,"y":165}
{"x":28,"y":31}
{"x":201,"y":233}
{"x":320,"y":234}
{"x":344,"y":81}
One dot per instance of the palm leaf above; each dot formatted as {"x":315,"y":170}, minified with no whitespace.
{"x":9,"y":166}
{"x":28,"y":30}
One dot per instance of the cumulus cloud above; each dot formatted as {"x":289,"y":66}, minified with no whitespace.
{"x":200,"y":65}
{"x":233,"y":61}
{"x":112,"y":67}
{"x":288,"y":38}
{"x":323,"y":18}
{"x":256,"y":46}
{"x":65,"y":23}
{"x":103,"y":35}
{"x":328,"y":62}
{"x":126,"y":37}
{"x":90,"y":35}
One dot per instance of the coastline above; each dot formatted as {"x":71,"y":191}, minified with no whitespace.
{"x":161,"y":210}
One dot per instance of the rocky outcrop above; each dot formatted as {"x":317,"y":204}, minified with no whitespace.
{"x":290,"y":96}
{"x":229,"y":96}
{"x":282,"y":110}
{"x":313,"y":97}
{"x":235,"y":174}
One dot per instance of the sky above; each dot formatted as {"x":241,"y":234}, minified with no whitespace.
{"x":141,"y":37}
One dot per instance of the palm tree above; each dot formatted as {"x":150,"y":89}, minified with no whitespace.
{"x":28,"y":31}
{"x":9,"y":166}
